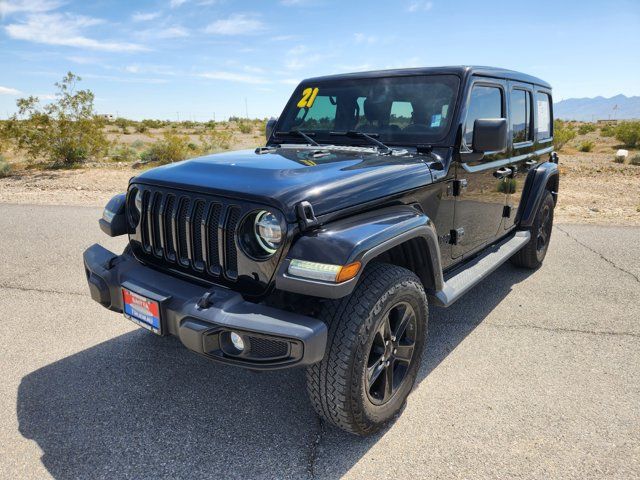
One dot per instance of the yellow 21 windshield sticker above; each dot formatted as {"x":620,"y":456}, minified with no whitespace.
{"x":308,"y":97}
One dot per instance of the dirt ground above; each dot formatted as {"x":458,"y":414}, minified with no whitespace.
{"x":593,"y":188}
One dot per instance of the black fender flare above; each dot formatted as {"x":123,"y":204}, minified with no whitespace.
{"x":533,"y":191}
{"x":360,"y":238}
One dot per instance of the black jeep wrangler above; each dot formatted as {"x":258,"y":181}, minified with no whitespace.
{"x":376,"y":194}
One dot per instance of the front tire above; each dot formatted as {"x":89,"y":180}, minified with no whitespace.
{"x":533,"y":253}
{"x":374,"y":348}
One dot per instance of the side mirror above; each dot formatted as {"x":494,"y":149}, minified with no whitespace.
{"x":271,"y":123}
{"x":490,"y":135}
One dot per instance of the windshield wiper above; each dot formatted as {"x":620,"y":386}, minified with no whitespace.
{"x":367,"y":136}
{"x":306,"y":136}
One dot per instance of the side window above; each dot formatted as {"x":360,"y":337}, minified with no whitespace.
{"x":485,"y":102}
{"x":543,"y":106}
{"x":521,"y":115}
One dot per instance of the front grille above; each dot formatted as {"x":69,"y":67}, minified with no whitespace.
{"x":188,"y":232}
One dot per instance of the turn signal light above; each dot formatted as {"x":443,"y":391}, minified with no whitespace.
{"x":348,"y":272}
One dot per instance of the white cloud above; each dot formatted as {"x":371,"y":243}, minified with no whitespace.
{"x":9,"y":91}
{"x":364,"y":38}
{"x":232,"y":77}
{"x":144,"y":17}
{"x":236,"y":24}
{"x":59,"y":29}
{"x":176,"y":3}
{"x":290,"y":81}
{"x":419,"y":6}
{"x":172,"y":32}
{"x":29,"y":6}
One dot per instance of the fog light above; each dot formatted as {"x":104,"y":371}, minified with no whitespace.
{"x":237,"y":341}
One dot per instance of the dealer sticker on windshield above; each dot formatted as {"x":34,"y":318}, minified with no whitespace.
{"x":142,"y":311}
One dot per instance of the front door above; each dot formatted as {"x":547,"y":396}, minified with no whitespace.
{"x":482,"y":195}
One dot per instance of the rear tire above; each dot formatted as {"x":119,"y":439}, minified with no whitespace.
{"x":374,"y":348}
{"x":533,"y":253}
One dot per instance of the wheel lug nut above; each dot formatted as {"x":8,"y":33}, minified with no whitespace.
{"x":386,"y":342}
{"x":393,"y":339}
{"x":386,"y":364}
{"x":395,"y":350}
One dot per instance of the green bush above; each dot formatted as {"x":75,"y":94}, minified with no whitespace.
{"x":64,"y":132}
{"x":123,"y":153}
{"x":635,"y":160}
{"x":586,"y":146}
{"x":245,"y":127}
{"x":172,"y":148}
{"x":562,"y":133}
{"x":607,"y":131}
{"x":141,"y":128}
{"x":586,"y":128}
{"x":215,"y":140}
{"x":138,"y":144}
{"x":5,"y":168}
{"x":628,"y":133}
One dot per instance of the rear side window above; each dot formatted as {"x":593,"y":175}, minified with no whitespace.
{"x":485,"y":102}
{"x":521,"y":116}
{"x":543,"y":106}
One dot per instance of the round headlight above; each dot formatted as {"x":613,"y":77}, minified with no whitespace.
{"x":134,"y":207}
{"x":267,"y":231}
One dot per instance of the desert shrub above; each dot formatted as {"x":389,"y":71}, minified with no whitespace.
{"x":562,"y":133}
{"x":138,"y":144}
{"x":628,"y":133}
{"x":507,"y":186}
{"x":635,"y":160}
{"x":123,"y":124}
{"x":123,"y":153}
{"x":586,"y":128}
{"x":5,"y":168}
{"x":150,"y":123}
{"x":172,"y":148}
{"x":245,"y":127}
{"x":215,"y":140}
{"x":586,"y":146}
{"x":141,"y":127}
{"x":211,"y":124}
{"x":607,"y":131}
{"x":65,"y":132}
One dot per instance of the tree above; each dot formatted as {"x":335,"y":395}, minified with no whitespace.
{"x":65,"y":132}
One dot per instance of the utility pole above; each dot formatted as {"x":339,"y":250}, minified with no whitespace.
{"x":246,"y":108}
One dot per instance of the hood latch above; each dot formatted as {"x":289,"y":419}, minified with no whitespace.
{"x":306,"y":217}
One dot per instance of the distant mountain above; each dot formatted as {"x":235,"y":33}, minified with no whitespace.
{"x":619,"y":107}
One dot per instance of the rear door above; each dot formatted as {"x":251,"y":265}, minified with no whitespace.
{"x":480,"y":203}
{"x":531,"y":128}
{"x":522,"y":145}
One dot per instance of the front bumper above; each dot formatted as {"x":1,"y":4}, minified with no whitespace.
{"x":276,"y":338}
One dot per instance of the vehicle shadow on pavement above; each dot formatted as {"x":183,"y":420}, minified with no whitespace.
{"x":140,"y":406}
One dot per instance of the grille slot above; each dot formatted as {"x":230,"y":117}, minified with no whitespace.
{"x":181,"y":220}
{"x":231,"y":254}
{"x":196,"y":233}
{"x":213,"y":253}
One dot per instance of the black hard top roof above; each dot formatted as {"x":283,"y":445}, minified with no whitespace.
{"x":460,"y":70}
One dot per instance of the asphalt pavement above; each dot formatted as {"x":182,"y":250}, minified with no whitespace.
{"x":530,"y":375}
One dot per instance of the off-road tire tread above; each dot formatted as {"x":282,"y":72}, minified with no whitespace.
{"x":329,"y":381}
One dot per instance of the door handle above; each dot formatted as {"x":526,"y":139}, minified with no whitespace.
{"x":503,"y":172}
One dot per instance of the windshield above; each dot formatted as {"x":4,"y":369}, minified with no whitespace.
{"x":399,"y":110}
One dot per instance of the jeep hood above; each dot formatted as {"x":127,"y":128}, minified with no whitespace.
{"x":284,"y":177}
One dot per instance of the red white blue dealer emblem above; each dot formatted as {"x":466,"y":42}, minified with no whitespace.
{"x":141,"y":310}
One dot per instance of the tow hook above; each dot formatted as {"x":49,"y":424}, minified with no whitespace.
{"x":205,"y":301}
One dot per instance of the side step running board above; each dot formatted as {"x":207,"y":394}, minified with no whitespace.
{"x":479,"y":268}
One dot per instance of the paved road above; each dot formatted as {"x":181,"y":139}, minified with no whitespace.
{"x":532,"y":375}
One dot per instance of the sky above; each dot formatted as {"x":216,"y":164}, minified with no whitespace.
{"x":204,"y":59}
